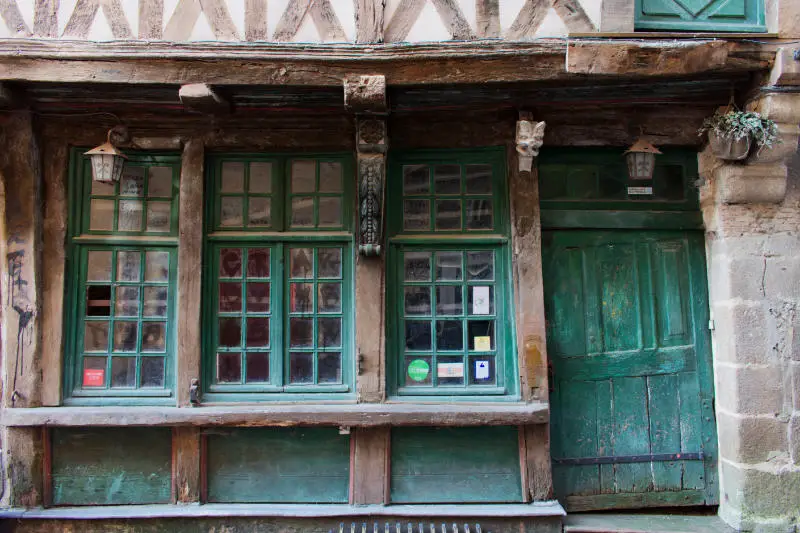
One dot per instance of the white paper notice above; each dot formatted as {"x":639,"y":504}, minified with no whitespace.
{"x":480,"y":300}
{"x":481,"y":369}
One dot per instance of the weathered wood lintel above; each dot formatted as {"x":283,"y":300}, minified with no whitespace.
{"x":353,"y":415}
{"x":202,"y":97}
{"x":327,"y":65}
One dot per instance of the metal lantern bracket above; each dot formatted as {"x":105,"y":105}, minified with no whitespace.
{"x":107,"y":162}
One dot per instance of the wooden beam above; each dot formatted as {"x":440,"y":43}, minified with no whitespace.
{"x":487,"y":15}
{"x":369,"y":21}
{"x":190,"y":259}
{"x":201,"y":97}
{"x":24,"y":451}
{"x":186,"y":463}
{"x":537,"y":454}
{"x":370,"y":468}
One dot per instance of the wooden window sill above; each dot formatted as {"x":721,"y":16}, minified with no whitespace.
{"x":511,"y":510}
{"x":263,"y":415}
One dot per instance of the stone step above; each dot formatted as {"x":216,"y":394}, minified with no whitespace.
{"x":644,"y":523}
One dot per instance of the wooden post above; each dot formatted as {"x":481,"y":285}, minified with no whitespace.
{"x":23,"y":459}
{"x":186,"y":464}
{"x":370,"y":465}
{"x":190,"y":257}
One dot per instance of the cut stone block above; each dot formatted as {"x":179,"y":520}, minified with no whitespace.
{"x":741,"y":184}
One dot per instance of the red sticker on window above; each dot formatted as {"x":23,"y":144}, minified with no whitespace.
{"x":94,"y":377}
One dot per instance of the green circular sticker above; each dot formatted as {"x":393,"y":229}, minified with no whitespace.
{"x":418,"y":370}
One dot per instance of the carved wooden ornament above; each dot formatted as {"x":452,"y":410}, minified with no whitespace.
{"x":530,"y":137}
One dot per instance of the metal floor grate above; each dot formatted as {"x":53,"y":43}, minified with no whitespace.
{"x":409,"y":527}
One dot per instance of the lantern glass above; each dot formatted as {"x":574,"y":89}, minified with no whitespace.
{"x":107,"y":168}
{"x":641,"y":165}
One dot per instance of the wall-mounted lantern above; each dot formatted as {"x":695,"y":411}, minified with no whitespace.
{"x":641,"y":159}
{"x":107,"y":162}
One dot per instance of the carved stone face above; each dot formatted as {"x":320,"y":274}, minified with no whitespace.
{"x":530,"y":137}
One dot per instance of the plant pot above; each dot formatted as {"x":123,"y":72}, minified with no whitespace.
{"x":728,"y":147}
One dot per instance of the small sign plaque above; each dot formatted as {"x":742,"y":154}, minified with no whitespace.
{"x":450,"y":370}
{"x":94,"y":377}
{"x":481,"y":369}
{"x":640,"y":191}
{"x":483,"y":344}
{"x":480,"y":300}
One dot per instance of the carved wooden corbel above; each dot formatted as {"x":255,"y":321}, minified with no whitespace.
{"x":530,"y":136}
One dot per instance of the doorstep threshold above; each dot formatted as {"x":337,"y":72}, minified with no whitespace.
{"x":211,"y":510}
{"x":645,"y":523}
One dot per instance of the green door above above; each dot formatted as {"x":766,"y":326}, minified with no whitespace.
{"x":700,"y":15}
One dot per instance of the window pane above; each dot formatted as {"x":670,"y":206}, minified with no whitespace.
{"x":448,"y":214}
{"x":98,"y":266}
{"x":329,"y":299}
{"x":449,"y":335}
{"x":230,"y":263}
{"x":481,"y":335}
{"x":330,"y":177}
{"x":123,"y":371}
{"x":418,"y":300}
{"x":258,"y":297}
{"x":480,"y":265}
{"x":156,"y":267}
{"x":102,"y":189}
{"x":478,"y":179}
{"x":230,"y":332}
{"x":300,"y":298}
{"x":416,"y":215}
{"x":257,"y":367}
{"x":329,"y":262}
{"x":418,"y":371}
{"x":158,"y":216}
{"x":301,"y":367}
{"x":127,"y":301}
{"x":449,"y":300}
{"x":330,"y":332}
{"x":418,"y":335}
{"x":448,"y":266}
{"x":232,"y":177}
{"x":304,"y":176}
{"x":450,"y":370}
{"x":480,"y":300}
{"x":231,"y":211}
{"x":155,"y":301}
{"x":128,"y":265}
{"x":125,"y":336}
{"x":258,"y":263}
{"x":302,"y":263}
{"x":481,"y":370}
{"x":98,"y":300}
{"x":132,"y":181}
{"x":479,"y":214}
{"x":417,"y":266}
{"x":416,"y":179}
{"x":259,"y":212}
{"x":95,"y":337}
{"x":101,"y":215}
{"x":447,"y":179}
{"x":301,"y":332}
{"x":330,"y":367}
{"x":302,"y":211}
{"x":153,"y":372}
{"x":229,"y":368}
{"x":94,"y":372}
{"x":230,"y":297}
{"x":260,"y":177}
{"x":154,"y":336}
{"x":257,"y":332}
{"x":330,"y":211}
{"x":160,"y":182}
{"x":130,"y":215}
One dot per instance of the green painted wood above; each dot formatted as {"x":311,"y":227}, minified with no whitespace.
{"x":278,"y":465}
{"x":700,"y":15}
{"x":111,"y":466}
{"x":464,"y":465}
{"x":626,"y":321}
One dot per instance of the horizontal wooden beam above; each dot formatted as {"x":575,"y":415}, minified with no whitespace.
{"x":350,"y":415}
{"x":327,"y":65}
{"x":202,"y":97}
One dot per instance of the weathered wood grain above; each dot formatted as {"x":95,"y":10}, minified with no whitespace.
{"x":487,"y":15}
{"x":617,"y":16}
{"x":528,"y":19}
{"x":81,"y":19}
{"x":255,"y":20}
{"x":120,"y":28}
{"x":10,"y":13}
{"x":573,"y":15}
{"x":184,"y":17}
{"x":202,"y":97}
{"x":540,"y":476}
{"x":23,"y":449}
{"x":190,"y":256}
{"x":403,"y":19}
{"x":370,"y":466}
{"x":370,"y":329}
{"x":369,"y":20}
{"x":291,"y":19}
{"x":186,"y":464}
{"x":45,"y":18}
{"x":219,"y":18}
{"x":151,"y":19}
{"x":326,"y":21}
{"x":454,"y":19}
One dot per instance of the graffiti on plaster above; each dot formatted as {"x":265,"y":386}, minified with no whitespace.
{"x":17,"y":299}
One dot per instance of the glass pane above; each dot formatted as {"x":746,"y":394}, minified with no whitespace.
{"x":128,"y":265}
{"x":102,"y":189}
{"x":449,"y":300}
{"x":330,"y":177}
{"x":155,"y":301}
{"x":257,"y":367}
{"x":130,"y":215}
{"x":481,"y":335}
{"x":230,"y":331}
{"x":258,"y":263}
{"x":258,"y":297}
{"x":330,"y":367}
{"x":418,"y":371}
{"x":301,"y":298}
{"x":95,"y":337}
{"x":230,"y":297}
{"x":301,"y":367}
{"x":447,"y":179}
{"x":127,"y":301}
{"x":480,"y":300}
{"x":301,"y":332}
{"x":229,"y":368}
{"x":418,"y":335}
{"x":98,"y":266}
{"x":123,"y":371}
{"x":260,"y":177}
{"x":418,"y":300}
{"x":329,"y":262}
{"x":450,"y":370}
{"x":449,"y":335}
{"x":132,"y":181}
{"x":480,"y":265}
{"x":230,"y":263}
{"x":98,"y":300}
{"x":257,"y":332}
{"x":158,"y":215}
{"x":259,"y":211}
{"x":153,"y":372}
{"x":448,"y":266}
{"x":330,"y":332}
{"x":416,"y":215}
{"x":156,"y":266}
{"x":94,"y":371}
{"x":304,"y":176}
{"x":416,"y":179}
{"x":329,"y":299}
{"x":417,"y":266}
{"x":302,"y":262}
{"x":330,"y":211}
{"x":101,"y":215}
{"x":154,"y":336}
{"x":481,"y":370}
{"x":478,"y":179}
{"x":125,"y":336}
{"x":160,"y":182}
{"x":303,"y":211}
{"x":448,"y":214}
{"x":479,"y":214}
{"x":232,"y":177}
{"x":231,"y":211}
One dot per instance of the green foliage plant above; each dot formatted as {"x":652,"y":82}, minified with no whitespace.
{"x":735,"y":124}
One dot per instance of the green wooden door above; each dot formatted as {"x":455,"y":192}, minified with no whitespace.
{"x":701,"y":15}
{"x":632,"y":395}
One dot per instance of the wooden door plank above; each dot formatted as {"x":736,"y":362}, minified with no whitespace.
{"x":664,"y":410}
{"x":646,"y":296}
{"x":605,"y":436}
{"x":620,"y":299}
{"x":690,"y":423}
{"x":579,"y":435}
{"x":631,"y":434}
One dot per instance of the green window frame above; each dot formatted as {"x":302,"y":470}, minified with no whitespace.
{"x":121,"y":262}
{"x":449,"y":271}
{"x":278,"y":297}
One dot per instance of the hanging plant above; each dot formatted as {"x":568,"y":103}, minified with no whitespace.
{"x":731,"y":133}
